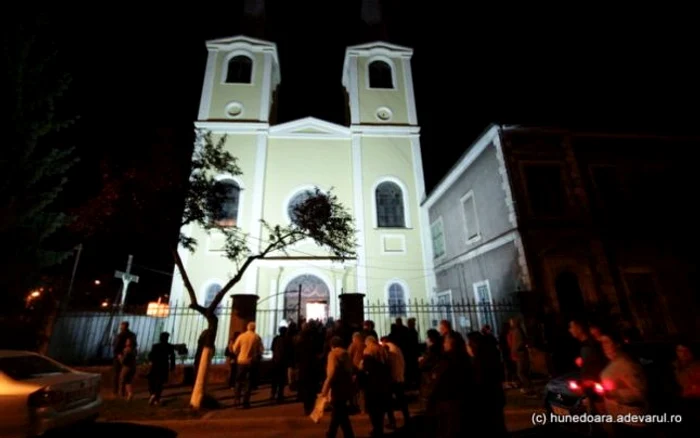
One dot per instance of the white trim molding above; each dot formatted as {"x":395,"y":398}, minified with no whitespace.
{"x":390,"y":63}
{"x":522,"y":263}
{"x":406,"y":201}
{"x":303,"y":263}
{"x":505,"y":181}
{"x":310,"y":127}
{"x":480,"y":250}
{"x":437,"y":259}
{"x":473,"y":152}
{"x":462,"y":200}
{"x":258,"y":192}
{"x":382,"y":242}
{"x":410,"y":95}
{"x":385,"y":130}
{"x":227,"y":60}
{"x":353,"y":89}
{"x":202,"y":295}
{"x":359,"y":211}
{"x":208,"y":87}
{"x":233,"y":127}
{"x":266,"y":89}
{"x":404,"y":286}
{"x":423,"y":219}
{"x":475,"y":290}
{"x":289,"y":276}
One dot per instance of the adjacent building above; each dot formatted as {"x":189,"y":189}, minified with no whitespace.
{"x":569,"y":223}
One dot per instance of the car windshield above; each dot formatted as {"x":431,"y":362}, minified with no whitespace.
{"x":29,"y":367}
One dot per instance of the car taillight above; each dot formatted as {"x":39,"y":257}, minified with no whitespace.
{"x":598,"y":388}
{"x":45,"y":397}
{"x":573,"y":385}
{"x":579,"y":362}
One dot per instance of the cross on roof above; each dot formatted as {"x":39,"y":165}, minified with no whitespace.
{"x":126,"y":277}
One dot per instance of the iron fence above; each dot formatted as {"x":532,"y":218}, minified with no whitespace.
{"x":465,"y":316}
{"x":86,"y":336}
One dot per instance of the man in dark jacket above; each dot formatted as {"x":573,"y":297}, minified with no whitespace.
{"x":592,"y":360}
{"x":119,"y":344}
{"x":338,"y":385}
{"x":279,"y":365}
{"x":162,"y":358}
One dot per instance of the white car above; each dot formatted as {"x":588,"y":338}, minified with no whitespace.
{"x":38,"y":394}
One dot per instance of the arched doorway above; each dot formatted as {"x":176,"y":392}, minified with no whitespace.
{"x":569,"y":295}
{"x":315,"y":298}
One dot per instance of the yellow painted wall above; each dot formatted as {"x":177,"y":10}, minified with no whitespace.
{"x":247,"y":94}
{"x":371,"y":99}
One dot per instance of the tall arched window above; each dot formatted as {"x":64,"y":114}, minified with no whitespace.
{"x":397,"y":300}
{"x":380,"y":75}
{"x":223,"y":203}
{"x":211,"y":292}
{"x":390,"y":211}
{"x":296,"y":201}
{"x":240,"y":70}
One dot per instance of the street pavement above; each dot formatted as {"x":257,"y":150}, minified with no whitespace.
{"x":267,"y":419}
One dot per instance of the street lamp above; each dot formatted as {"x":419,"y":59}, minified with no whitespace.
{"x":35,"y":294}
{"x":97,"y":282}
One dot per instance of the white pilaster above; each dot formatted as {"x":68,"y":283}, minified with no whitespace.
{"x":410,"y":96}
{"x":353,"y":87}
{"x":358,"y":206}
{"x":423,"y":217}
{"x":208,"y":87}
{"x":258,"y":188}
{"x":333,"y":304}
{"x":266,"y":92}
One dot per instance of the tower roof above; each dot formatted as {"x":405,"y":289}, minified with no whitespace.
{"x":376,"y":48}
{"x":249,"y":44}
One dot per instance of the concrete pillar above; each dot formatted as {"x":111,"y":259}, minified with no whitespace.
{"x":243,"y":311}
{"x":352,"y":309}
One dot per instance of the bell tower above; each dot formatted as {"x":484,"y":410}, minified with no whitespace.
{"x":379,"y":82}
{"x":241,"y":77}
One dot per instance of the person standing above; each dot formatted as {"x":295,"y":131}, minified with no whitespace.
{"x":520,"y":354}
{"x":162,"y":357}
{"x":339,"y":387}
{"x":279,"y":365}
{"x":397,"y":367}
{"x":248,"y":348}
{"x":119,"y":345}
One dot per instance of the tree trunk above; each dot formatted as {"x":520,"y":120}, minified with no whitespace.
{"x":200,"y":384}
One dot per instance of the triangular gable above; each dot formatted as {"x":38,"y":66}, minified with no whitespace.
{"x":239,"y":39}
{"x":309,"y":127}
{"x":380,"y":45}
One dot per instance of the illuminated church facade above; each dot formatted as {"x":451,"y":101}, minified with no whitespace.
{"x":373,"y":165}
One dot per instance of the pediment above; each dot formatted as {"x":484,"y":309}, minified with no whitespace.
{"x":240,"y":40}
{"x":381,"y":46}
{"x":310,"y":127}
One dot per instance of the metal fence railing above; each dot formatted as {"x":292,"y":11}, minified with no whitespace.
{"x":465,"y":316}
{"x":83,"y":337}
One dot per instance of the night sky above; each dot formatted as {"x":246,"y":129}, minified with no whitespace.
{"x":139,"y":71}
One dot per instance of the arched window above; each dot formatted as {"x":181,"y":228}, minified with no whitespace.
{"x":390,"y":211}
{"x":296,"y":201}
{"x":240,"y":70}
{"x":380,"y":75}
{"x":223,"y":203}
{"x":211,"y":292}
{"x":397,"y":300}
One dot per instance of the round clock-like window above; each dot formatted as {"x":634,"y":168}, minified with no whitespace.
{"x":234,"y":109}
{"x":384,"y":114}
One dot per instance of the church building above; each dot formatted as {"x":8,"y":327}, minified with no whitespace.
{"x":373,"y":165}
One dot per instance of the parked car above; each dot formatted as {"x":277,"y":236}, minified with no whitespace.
{"x":38,"y":394}
{"x":566,"y":394}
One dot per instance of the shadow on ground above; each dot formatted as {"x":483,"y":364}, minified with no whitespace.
{"x":109,"y":430}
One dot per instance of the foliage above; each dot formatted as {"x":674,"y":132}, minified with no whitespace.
{"x":321,"y":218}
{"x":34,"y":163}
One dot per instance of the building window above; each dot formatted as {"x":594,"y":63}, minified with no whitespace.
{"x":210,"y":293}
{"x":438,"y":239}
{"x":397,"y":300}
{"x":484,"y":305}
{"x":389,"y":201}
{"x":223,"y":203}
{"x":545,"y":189}
{"x":240,"y":70}
{"x":380,"y":75}
{"x":648,"y":307}
{"x":471,"y":222}
{"x":297,"y":201}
